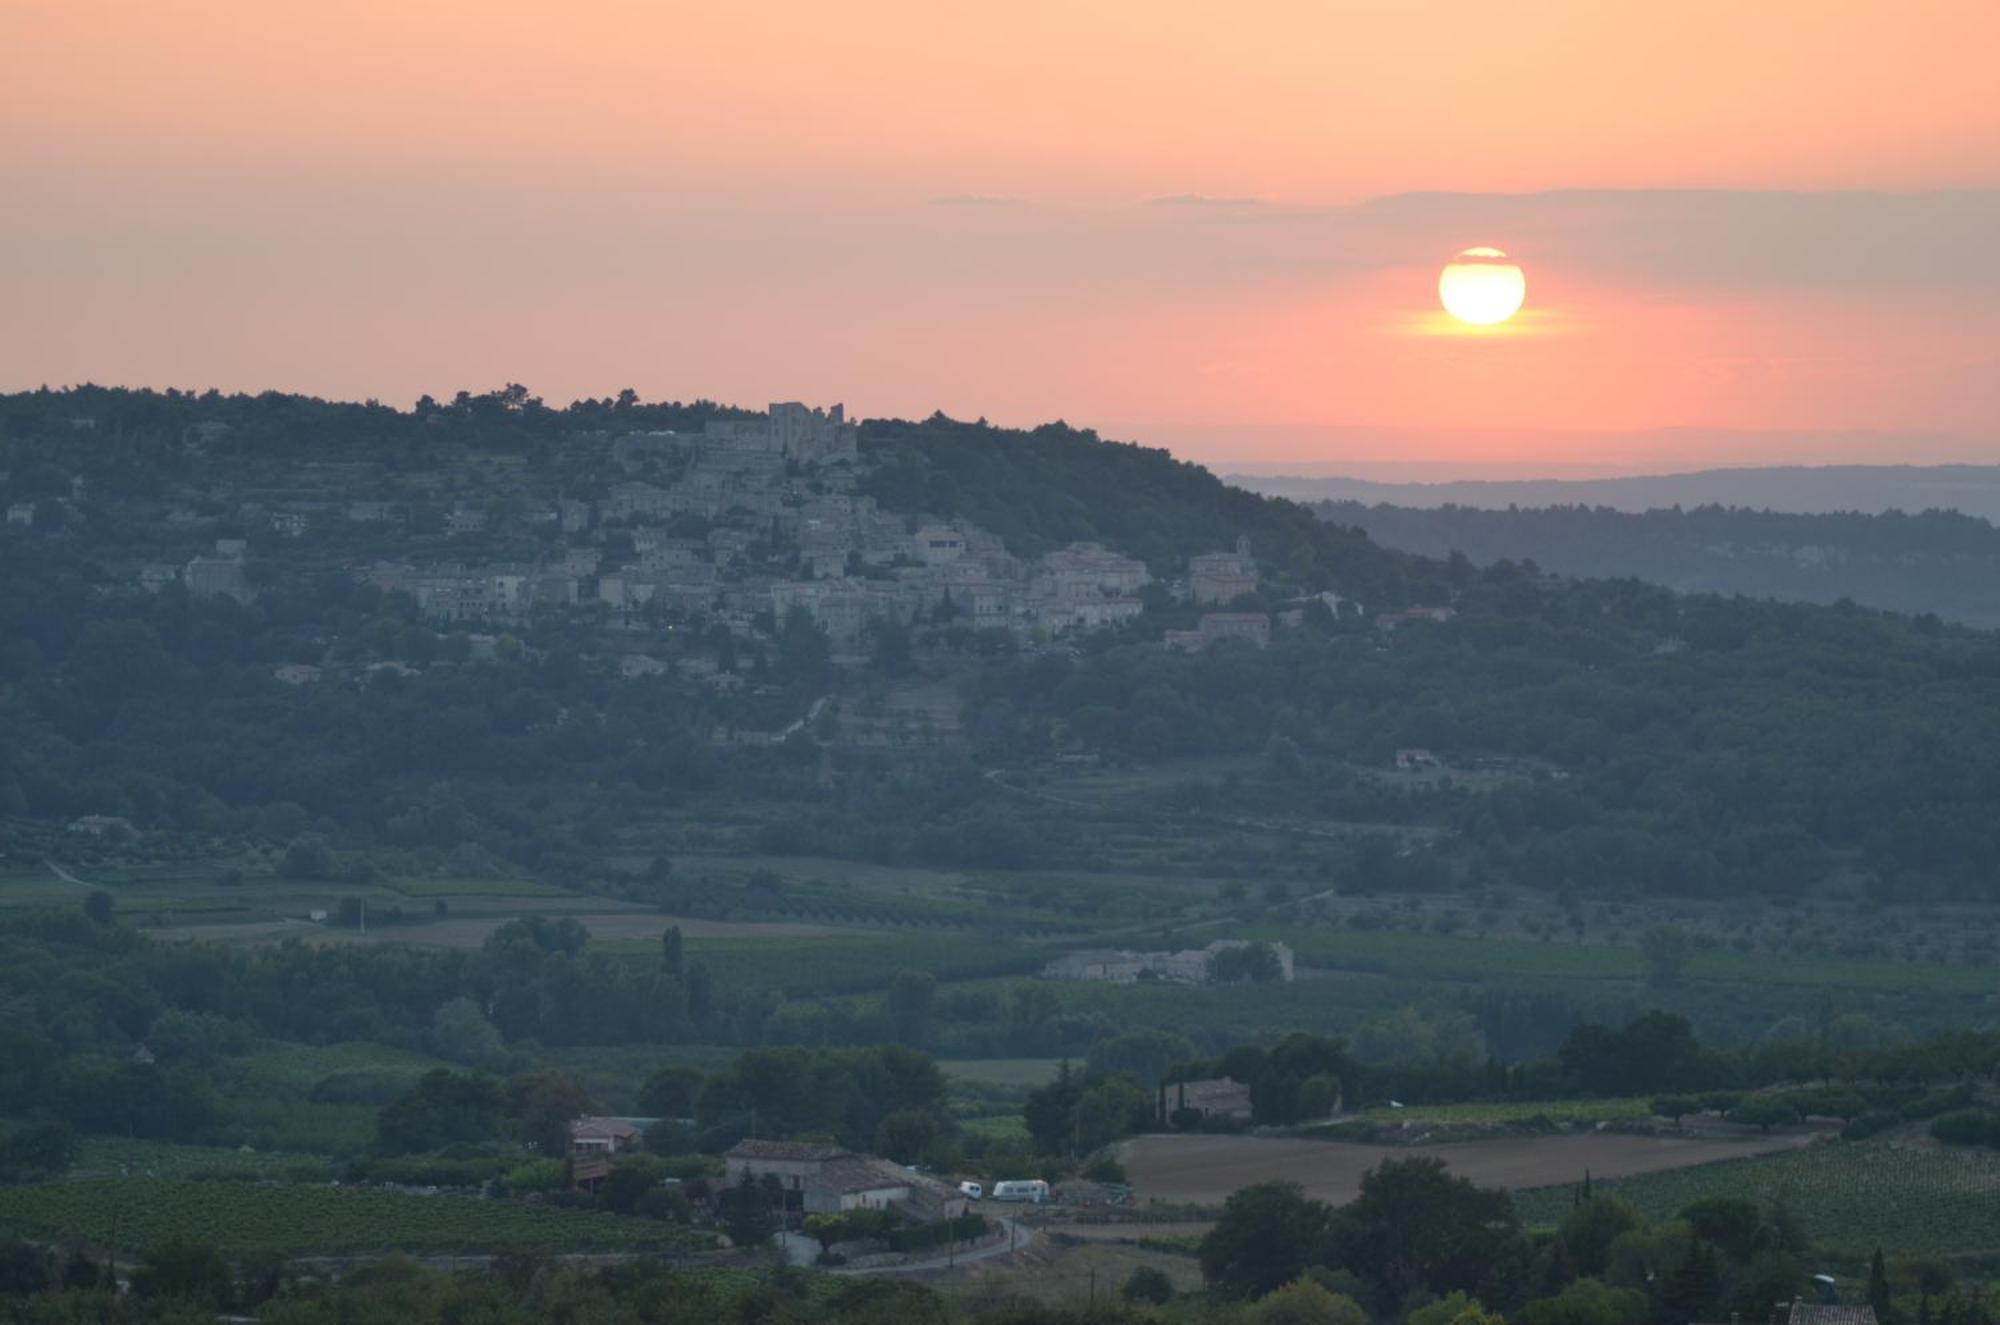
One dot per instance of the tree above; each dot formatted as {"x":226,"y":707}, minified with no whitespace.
{"x":1655,"y":1052}
{"x":40,"y":1150}
{"x":1589,"y":1302}
{"x":1415,"y":1226}
{"x":183,"y":1270}
{"x":1144,"y":1055}
{"x":1878,"y":1287}
{"x":1675,"y":1107}
{"x":1304,"y":1302}
{"x":673,"y":957}
{"x":670,"y":1092}
{"x":1691,"y":1287}
{"x":308,"y":857}
{"x":460,"y":1032}
{"x":1266,"y":1236}
{"x":543,"y":1105}
{"x":1147,"y":1286}
{"x":1110,"y":1109}
{"x":24,"y":1269}
{"x":1455,"y":1308}
{"x":906,"y":1134}
{"x":100,"y":906}
{"x":1592,"y":1226}
{"x":1251,"y":963}
{"x":1764,"y":1112}
{"x":1732,"y":1223}
{"x":1050,"y":1113}
{"x":746,"y":1212}
{"x":444,"y":1108}
{"x":909,"y":1003}
{"x":804,"y":656}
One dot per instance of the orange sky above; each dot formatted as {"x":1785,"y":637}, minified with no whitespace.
{"x":1215,"y":225}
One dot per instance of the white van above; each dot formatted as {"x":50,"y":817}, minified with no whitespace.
{"x":1033,"y":1190}
{"x":972,"y":1189}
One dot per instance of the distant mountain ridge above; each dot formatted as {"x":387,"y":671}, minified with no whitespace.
{"x":1796,"y":489}
{"x":1940,"y":562}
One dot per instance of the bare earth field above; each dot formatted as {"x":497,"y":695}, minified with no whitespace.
{"x":1204,"y":1170}
{"x":470,"y":932}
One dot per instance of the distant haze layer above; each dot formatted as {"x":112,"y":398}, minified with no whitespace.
{"x":1869,"y":489}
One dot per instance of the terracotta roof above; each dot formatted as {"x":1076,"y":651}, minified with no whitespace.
{"x":796,"y":1151}
{"x":1825,"y":1313}
{"x":856,"y":1173}
{"x":613,"y":1129}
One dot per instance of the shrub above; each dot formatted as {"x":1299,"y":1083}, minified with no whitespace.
{"x":1937,"y":1102}
{"x":1870,"y":1123}
{"x":1967,"y":1127}
{"x":1147,"y":1285}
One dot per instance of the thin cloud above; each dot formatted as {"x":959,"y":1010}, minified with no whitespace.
{"x":977,"y":200}
{"x":1201,"y":200}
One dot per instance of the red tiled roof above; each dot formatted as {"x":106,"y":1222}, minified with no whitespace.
{"x":614,"y":1129}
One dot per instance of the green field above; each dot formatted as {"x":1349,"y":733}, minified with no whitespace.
{"x":854,"y":964}
{"x":1850,"y":1197}
{"x":1001,"y":1127}
{"x":1444,"y":957}
{"x":1019,"y":1073}
{"x":303,"y":1067}
{"x":302,"y":1219}
{"x":473,"y":888}
{"x":117,"y":1157}
{"x":1512,"y":1113}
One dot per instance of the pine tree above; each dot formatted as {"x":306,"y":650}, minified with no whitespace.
{"x":1878,"y":1288}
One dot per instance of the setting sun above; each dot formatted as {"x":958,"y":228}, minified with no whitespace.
{"x":1482,"y":287}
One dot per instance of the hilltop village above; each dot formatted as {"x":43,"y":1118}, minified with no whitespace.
{"x":736,"y":527}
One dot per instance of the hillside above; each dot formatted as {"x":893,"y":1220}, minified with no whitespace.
{"x":1939,"y":562}
{"x":346,"y":642}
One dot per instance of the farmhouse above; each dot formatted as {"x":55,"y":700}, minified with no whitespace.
{"x":592,"y":1143}
{"x":602,"y":1136}
{"x":1217,"y":1097}
{"x":826,"y":1180}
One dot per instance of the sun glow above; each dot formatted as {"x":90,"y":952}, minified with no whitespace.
{"x":1482,"y":287}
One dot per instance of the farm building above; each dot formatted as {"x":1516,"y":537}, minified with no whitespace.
{"x":1218,"y":1097}
{"x":593,"y":1142}
{"x":827,"y":1180}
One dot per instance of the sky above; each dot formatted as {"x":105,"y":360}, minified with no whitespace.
{"x":1752,"y":234}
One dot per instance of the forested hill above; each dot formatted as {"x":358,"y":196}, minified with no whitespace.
{"x":312,"y":713}
{"x":1056,"y":484}
{"x":1939,"y":562}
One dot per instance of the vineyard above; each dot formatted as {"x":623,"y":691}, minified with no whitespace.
{"x":1850,"y":1198}
{"x":124,"y":1157}
{"x":243,"y":1218}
